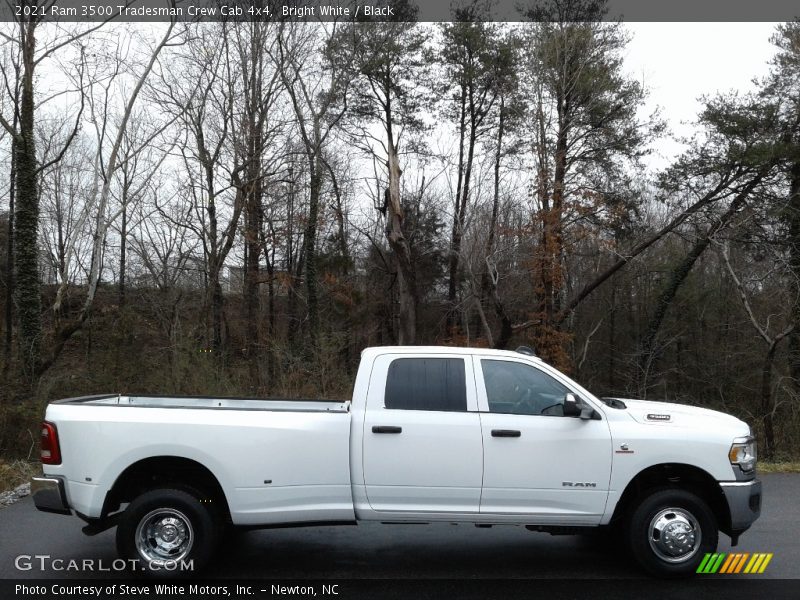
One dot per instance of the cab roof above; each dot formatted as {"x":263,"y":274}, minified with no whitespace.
{"x":523,"y":350}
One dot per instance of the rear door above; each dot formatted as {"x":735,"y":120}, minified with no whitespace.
{"x":536,"y":460}
{"x":422,"y":447}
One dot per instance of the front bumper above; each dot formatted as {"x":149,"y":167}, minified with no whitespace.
{"x":49,"y":495}
{"x":744,"y":503}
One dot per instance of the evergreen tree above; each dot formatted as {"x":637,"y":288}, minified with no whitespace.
{"x":586,"y":131}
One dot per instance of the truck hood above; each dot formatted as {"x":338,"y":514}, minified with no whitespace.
{"x":681,"y":415}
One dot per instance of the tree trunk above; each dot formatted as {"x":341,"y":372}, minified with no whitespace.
{"x":270,"y":260}
{"x":766,"y":400}
{"x":216,"y":313}
{"x":548,"y":338}
{"x":340,"y":222}
{"x":406,"y":275}
{"x":455,"y":235}
{"x":488,"y":283}
{"x":793,"y":219}
{"x":252,"y":276}
{"x":215,"y":253}
{"x":612,"y":341}
{"x":458,"y":228}
{"x":310,"y":245}
{"x":123,"y":235}
{"x":552,"y":238}
{"x":294,"y":266}
{"x":253,"y":205}
{"x":9,"y":308}
{"x":27,"y":293}
{"x":214,"y":302}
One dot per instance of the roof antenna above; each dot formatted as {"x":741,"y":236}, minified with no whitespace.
{"x":526,"y":350}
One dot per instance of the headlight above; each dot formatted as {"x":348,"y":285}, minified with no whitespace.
{"x":743,"y":453}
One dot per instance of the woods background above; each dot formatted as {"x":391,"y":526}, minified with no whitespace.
{"x":241,"y":208}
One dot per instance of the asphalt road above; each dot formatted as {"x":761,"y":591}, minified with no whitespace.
{"x":428,"y":552}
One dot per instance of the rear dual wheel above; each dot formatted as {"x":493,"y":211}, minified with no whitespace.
{"x":167,"y":533}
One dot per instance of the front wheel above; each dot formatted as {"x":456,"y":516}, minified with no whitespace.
{"x":166,"y":533}
{"x":670,"y":532}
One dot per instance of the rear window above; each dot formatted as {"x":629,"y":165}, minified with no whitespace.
{"x":426,"y":384}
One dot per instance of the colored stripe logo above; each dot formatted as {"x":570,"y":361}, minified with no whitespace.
{"x":734,"y":562}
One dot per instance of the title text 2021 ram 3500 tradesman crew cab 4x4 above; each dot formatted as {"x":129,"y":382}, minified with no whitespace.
{"x":431,"y":434}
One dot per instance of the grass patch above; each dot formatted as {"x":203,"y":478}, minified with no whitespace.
{"x":779,"y":467}
{"x":16,"y":472}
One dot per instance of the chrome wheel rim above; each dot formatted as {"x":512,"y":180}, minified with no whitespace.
{"x":164,"y":535}
{"x":675,"y":535}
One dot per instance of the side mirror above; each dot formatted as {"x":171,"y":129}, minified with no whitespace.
{"x":572,"y":408}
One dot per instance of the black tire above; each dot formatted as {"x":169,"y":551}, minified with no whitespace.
{"x":146,"y":529}
{"x":671,"y":510}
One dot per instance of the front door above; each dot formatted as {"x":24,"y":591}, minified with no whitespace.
{"x":536,"y":460}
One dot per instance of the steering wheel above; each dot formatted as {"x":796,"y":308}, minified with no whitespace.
{"x":525,"y":405}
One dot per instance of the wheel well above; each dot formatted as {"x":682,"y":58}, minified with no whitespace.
{"x":678,"y":475}
{"x":165,"y":471}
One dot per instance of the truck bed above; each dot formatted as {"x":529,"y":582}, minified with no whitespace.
{"x":255,"y":449}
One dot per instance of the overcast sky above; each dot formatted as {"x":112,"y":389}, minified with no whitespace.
{"x":679,"y":62}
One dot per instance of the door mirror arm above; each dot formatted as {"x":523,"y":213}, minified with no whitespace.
{"x":588,"y":413}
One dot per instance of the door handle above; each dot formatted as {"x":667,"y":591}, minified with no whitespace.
{"x":506,"y":433}
{"x":386,"y":429}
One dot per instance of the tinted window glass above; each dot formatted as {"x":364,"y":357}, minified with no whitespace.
{"x":519,"y":389}
{"x":426,"y":384}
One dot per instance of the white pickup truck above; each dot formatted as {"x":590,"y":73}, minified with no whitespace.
{"x":431,"y":434}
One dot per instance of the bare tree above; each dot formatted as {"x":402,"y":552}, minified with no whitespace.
{"x":318,"y":92}
{"x":767,"y":405}
{"x":259,"y":125}
{"x":208,"y":154}
{"x":100,"y":193}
